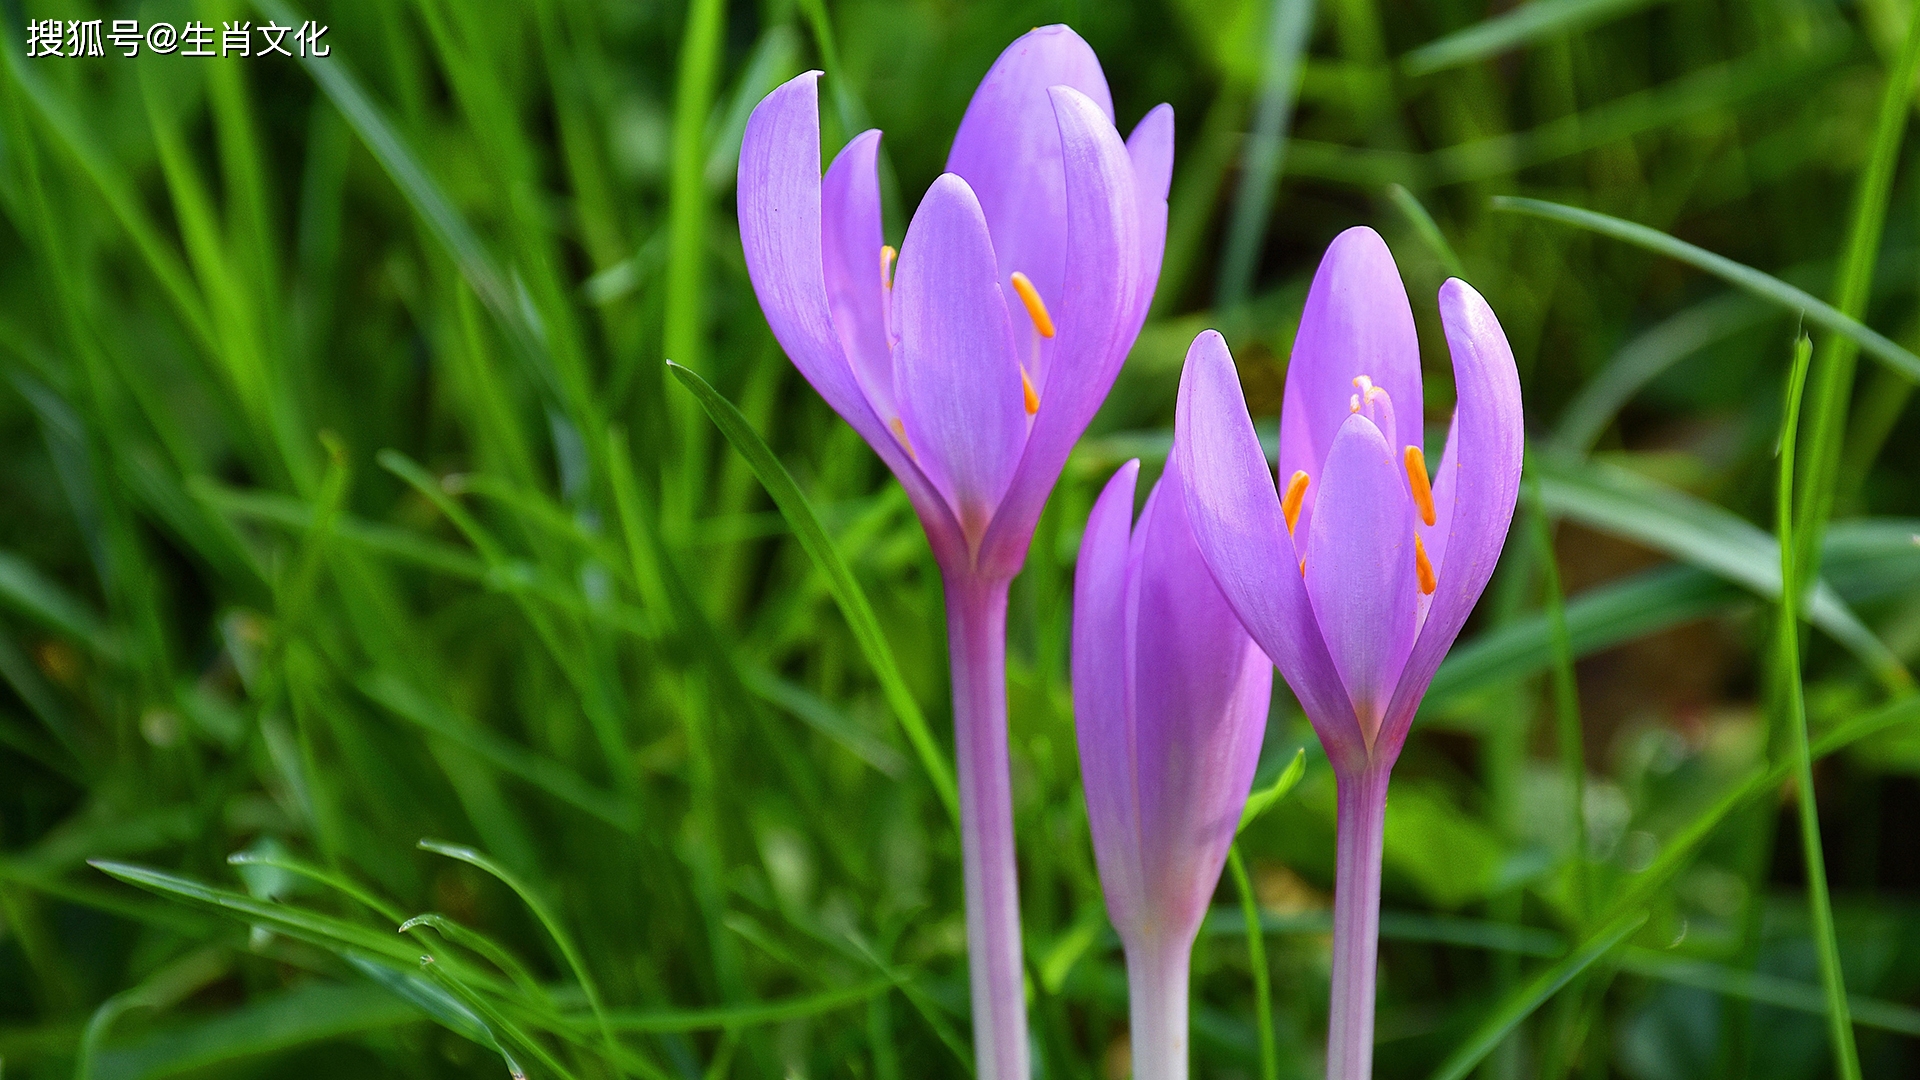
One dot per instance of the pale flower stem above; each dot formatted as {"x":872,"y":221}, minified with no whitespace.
{"x":977,"y":644}
{"x":1356,"y":924}
{"x":1157,"y":1008}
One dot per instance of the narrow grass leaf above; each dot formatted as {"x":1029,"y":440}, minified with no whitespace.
{"x":1846,"y":1058}
{"x":852,"y":600}
{"x":1532,"y":994}
{"x":1764,"y":286}
{"x":1515,"y":27}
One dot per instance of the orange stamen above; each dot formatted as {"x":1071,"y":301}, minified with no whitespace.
{"x":1423,"y":569}
{"x":1026,"y":387}
{"x":1036,"y":307}
{"x":1290,"y":502}
{"x":1303,"y":568}
{"x":1417,"y":478}
{"x":887,"y":255}
{"x":899,"y":427}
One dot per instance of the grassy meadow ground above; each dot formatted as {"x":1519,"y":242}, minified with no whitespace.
{"x":362,"y":559}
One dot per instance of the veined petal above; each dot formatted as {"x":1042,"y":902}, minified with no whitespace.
{"x":1234,"y":512}
{"x":1484,"y":474}
{"x":1150,"y":147}
{"x":1356,"y":322}
{"x":855,"y":273}
{"x":1101,"y":247}
{"x":1008,"y":150}
{"x":1201,"y":690}
{"x":1360,"y":568}
{"x":781,"y":235}
{"x":1102,"y":693}
{"x":954,"y":371}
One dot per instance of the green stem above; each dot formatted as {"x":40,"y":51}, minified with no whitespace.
{"x":1256,"y":960}
{"x":1839,"y":1021}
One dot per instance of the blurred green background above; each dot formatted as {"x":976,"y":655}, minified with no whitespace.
{"x":349,"y":502}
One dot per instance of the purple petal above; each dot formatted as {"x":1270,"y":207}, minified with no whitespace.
{"x":781,"y":232}
{"x":1151,"y":149}
{"x":1101,"y":245}
{"x":1356,"y":322}
{"x":1102,"y":689}
{"x":1235,"y":516}
{"x":1008,"y":150}
{"x":954,"y":371}
{"x":1201,"y":689}
{"x":1484,"y":475}
{"x":856,"y":281}
{"x":1360,"y":568}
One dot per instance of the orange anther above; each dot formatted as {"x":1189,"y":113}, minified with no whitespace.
{"x":1036,"y":307}
{"x":1417,"y":479}
{"x":1296,"y":494}
{"x":899,"y":427}
{"x":887,"y":255}
{"x":1026,"y":387}
{"x":1423,"y":569}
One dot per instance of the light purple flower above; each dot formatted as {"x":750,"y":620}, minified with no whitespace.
{"x":1352,"y":574}
{"x":1170,"y":702}
{"x":973,"y":367}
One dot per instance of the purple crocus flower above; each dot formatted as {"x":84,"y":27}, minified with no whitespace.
{"x":971,"y":369}
{"x":1356,"y":574}
{"x":1170,"y":701}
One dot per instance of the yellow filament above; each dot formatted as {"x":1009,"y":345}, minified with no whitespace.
{"x":887,"y":255}
{"x":1036,"y":307}
{"x":1026,"y":388}
{"x":1290,"y":502}
{"x":1422,"y":568}
{"x":1417,"y":479}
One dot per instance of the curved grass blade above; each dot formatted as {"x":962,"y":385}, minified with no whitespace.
{"x":1846,"y":1058}
{"x":1764,"y":286}
{"x":1427,"y":228}
{"x":547,"y":919}
{"x":481,"y":945}
{"x":1520,"y":26}
{"x":322,"y":930}
{"x":756,"y":1014}
{"x":1261,"y":801}
{"x":1730,"y":981}
{"x":1263,"y":154}
{"x":847,"y":593}
{"x":1636,"y":508}
{"x":445,"y":1009}
{"x":337,"y":882}
{"x":1534,"y":993}
{"x":1644,"y":359}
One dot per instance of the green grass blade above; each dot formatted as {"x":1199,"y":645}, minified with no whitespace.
{"x":1290,"y":23}
{"x":1257,"y":961}
{"x":757,"y":1014}
{"x":1428,"y":229}
{"x":322,"y":930}
{"x":1831,"y":379}
{"x":338,"y":882}
{"x":1840,"y":1025}
{"x":1569,"y":738}
{"x":1636,"y":508}
{"x":393,"y":693}
{"x":1644,"y":359}
{"x":852,"y":600}
{"x":1734,"y":982}
{"x":310,"y":1013}
{"x":542,"y":912}
{"x":1510,"y":29}
{"x":1764,"y":286}
{"x":1261,"y":801}
{"x":1534,"y":993}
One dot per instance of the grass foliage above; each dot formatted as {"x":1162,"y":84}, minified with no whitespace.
{"x":406,"y":671}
